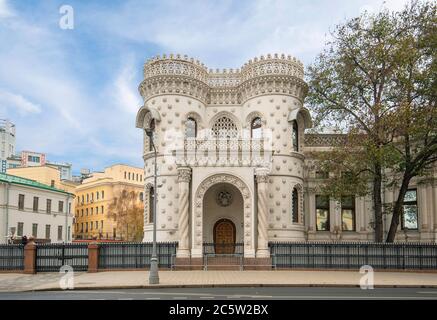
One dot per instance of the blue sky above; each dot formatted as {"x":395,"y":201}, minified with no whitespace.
{"x":73,"y":93}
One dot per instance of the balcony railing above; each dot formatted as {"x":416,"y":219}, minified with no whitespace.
{"x":224,"y":152}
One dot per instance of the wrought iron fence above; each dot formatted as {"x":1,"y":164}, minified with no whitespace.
{"x":11,"y":257}
{"x":134,"y":255}
{"x":353,"y":255}
{"x":52,"y":256}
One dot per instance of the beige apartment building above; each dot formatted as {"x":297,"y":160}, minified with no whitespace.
{"x":94,"y":196}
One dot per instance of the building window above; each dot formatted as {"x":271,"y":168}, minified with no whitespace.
{"x":86,"y":211}
{"x":128,"y":176}
{"x":97,"y":195}
{"x":97,"y":225}
{"x":92,"y":210}
{"x":21,"y":202}
{"x":322,"y":175}
{"x":103,"y":194}
{"x":92,"y":197}
{"x":81,"y":227}
{"x":102,"y":209}
{"x":125,"y":175}
{"x":61,"y":206}
{"x":322,"y":213}
{"x":87,"y":198}
{"x":35,"y":230}
{"x":409,"y":214}
{"x":35,"y":204}
{"x":190,"y":128}
{"x":20,"y":227}
{"x":47,"y":231}
{"x":141,"y":177}
{"x":59,"y":232}
{"x":295,"y":136}
{"x":256,"y":128}
{"x":91,"y":225}
{"x":86,"y":226}
{"x":101,"y":224}
{"x":49,"y":206}
{"x":69,"y":207}
{"x":69,"y":233}
{"x":81,"y":213}
{"x":83,"y":199}
{"x":52,"y":183}
{"x":295,"y":206}
{"x":151,"y":201}
{"x":348,"y":213}
{"x":77,"y":213}
{"x":152,"y":128}
{"x":141,"y":196}
{"x":97,"y":210}
{"x":225,"y":128}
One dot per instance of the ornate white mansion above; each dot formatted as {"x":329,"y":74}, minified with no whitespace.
{"x":234,"y":164}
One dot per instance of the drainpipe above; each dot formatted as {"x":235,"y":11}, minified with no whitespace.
{"x":66,"y":218}
{"x":8,"y":185}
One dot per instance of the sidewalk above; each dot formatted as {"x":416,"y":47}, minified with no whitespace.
{"x":139,"y":279}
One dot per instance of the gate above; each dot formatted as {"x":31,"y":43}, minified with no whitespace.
{"x":51,"y":257}
{"x":223,"y":256}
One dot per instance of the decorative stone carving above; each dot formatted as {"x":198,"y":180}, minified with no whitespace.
{"x":184,"y":76}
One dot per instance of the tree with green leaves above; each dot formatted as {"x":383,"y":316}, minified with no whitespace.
{"x":377,"y":80}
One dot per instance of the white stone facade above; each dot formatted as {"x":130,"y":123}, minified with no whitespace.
{"x":30,"y":217}
{"x":259,"y":175}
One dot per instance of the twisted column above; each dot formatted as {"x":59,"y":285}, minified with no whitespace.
{"x":261,"y":179}
{"x":184,"y":175}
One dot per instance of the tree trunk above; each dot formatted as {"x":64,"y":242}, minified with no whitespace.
{"x":398,"y":207}
{"x":377,"y":202}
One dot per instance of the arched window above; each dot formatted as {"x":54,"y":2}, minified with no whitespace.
{"x":190,"y":128}
{"x":151,"y":200}
{"x":295,"y":206}
{"x":295,"y":136}
{"x":225,"y":128}
{"x":255,"y":128}
{"x":152,"y":127}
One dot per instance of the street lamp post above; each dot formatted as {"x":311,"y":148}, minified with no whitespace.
{"x":153,"y":275}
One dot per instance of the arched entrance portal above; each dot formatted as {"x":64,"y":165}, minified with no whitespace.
{"x":218,"y":197}
{"x":224,"y":236}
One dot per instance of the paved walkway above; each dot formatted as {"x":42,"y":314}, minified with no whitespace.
{"x":139,"y":279}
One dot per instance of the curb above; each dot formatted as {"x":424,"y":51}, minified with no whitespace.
{"x":166,"y":286}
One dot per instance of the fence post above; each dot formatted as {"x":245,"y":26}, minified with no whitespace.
{"x":93,"y":257}
{"x":30,"y":257}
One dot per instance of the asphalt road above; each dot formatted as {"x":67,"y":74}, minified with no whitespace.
{"x":259,"y":293}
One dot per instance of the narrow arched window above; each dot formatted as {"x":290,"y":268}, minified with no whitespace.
{"x":190,"y":128}
{"x":295,"y":206}
{"x":295,"y":136}
{"x":152,"y":127}
{"x":255,"y":128}
{"x":151,"y":201}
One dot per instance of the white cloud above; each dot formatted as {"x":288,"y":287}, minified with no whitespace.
{"x":5,"y":10}
{"x":124,"y":90}
{"x":10,"y":100}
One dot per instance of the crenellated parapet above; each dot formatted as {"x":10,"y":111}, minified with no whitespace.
{"x":176,"y":74}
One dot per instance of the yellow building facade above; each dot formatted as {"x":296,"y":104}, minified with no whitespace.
{"x":94,"y":196}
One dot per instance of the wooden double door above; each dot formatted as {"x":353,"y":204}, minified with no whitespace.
{"x":224,"y":236}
